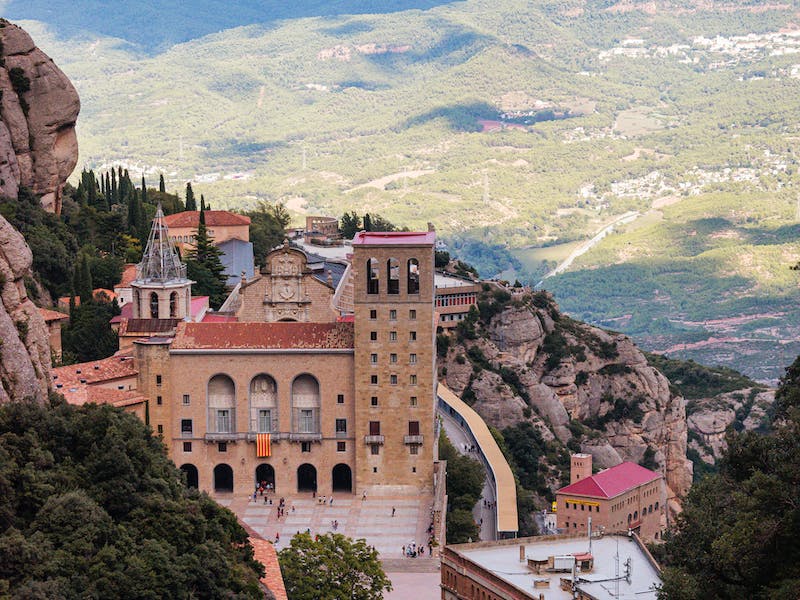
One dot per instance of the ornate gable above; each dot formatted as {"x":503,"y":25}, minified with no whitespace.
{"x":286,"y":295}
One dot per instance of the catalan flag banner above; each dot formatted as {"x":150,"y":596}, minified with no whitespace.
{"x":263,"y":445}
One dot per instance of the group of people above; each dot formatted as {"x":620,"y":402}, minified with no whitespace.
{"x":325,"y":500}
{"x":282,"y":508}
{"x":413,"y":551}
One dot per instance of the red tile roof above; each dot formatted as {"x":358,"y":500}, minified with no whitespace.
{"x":215,"y":318}
{"x":51,"y":315}
{"x":254,"y":336}
{"x":264,"y":553}
{"x":146,"y":326}
{"x":394,"y":238}
{"x":96,"y":371}
{"x":214,"y":218}
{"x":128,"y":275}
{"x":611,"y":482}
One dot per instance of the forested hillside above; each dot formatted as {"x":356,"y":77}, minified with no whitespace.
{"x":520,"y":129}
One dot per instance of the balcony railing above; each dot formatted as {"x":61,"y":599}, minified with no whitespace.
{"x":228,"y":436}
{"x":273,"y":436}
{"x":412,"y":440}
{"x":305,"y":437}
{"x":373,"y":439}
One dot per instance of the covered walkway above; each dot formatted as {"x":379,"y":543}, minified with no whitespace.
{"x":505,"y":510}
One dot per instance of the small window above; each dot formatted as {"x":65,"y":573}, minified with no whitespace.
{"x":340,"y":399}
{"x":222,"y":446}
{"x":341,"y":425}
{"x":412,"y":358}
{"x":374,"y":427}
{"x":413,"y":401}
{"x":413,"y":469}
{"x":393,"y":358}
{"x":187,"y":446}
{"x":159,"y":400}
{"x":160,"y":429}
{"x":341,"y":446}
{"x":158,"y":379}
{"x":374,"y":469}
{"x":392,"y":315}
{"x":412,"y":314}
{"x":413,"y":380}
{"x":392,"y":336}
{"x":375,"y":450}
{"x":186,"y":400}
{"x":373,"y":359}
{"x":412,"y":336}
{"x":374,"y":401}
{"x":373,"y":379}
{"x":373,"y":336}
{"x":393,"y":379}
{"x":413,"y":428}
{"x":413,"y":449}
{"x":373,"y":314}
{"x":186,"y":426}
{"x":305,"y":446}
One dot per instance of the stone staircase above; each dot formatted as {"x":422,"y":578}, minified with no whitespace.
{"x":410,"y":565}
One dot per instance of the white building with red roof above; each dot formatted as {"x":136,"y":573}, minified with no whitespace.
{"x":625,"y":497}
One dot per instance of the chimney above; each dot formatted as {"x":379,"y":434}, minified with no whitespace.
{"x":580,"y":467}
{"x":522,"y":553}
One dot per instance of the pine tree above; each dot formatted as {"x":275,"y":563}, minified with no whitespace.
{"x":115,"y":199}
{"x":144,"y":190}
{"x":161,"y":187}
{"x":204,"y":266}
{"x":190,"y":201}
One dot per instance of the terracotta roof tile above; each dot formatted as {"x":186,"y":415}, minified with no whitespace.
{"x":611,"y":482}
{"x":128,"y":275}
{"x":285,"y":336}
{"x":51,"y":315}
{"x":82,"y":383}
{"x":394,"y":238}
{"x":214,"y":218}
{"x":144,"y":326}
{"x":265,"y":553}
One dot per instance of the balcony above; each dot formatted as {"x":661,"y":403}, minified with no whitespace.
{"x":373,"y":439}
{"x":412,"y":440}
{"x":223,"y":436}
{"x":341,"y":434}
{"x":273,"y":436}
{"x":305,"y":437}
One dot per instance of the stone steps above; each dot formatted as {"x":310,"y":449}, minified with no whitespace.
{"x":410,"y":565}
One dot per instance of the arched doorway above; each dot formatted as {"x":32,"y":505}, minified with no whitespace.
{"x":192,"y":477}
{"x":306,"y":478}
{"x":342,"y":478}
{"x":223,"y":478}
{"x":265,"y":473}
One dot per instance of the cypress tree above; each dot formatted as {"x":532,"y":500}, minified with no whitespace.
{"x":204,"y":266}
{"x":91,"y":188}
{"x":161,"y":187}
{"x":203,"y":206}
{"x":115,"y":199}
{"x":367,"y":222}
{"x":82,"y":279}
{"x":144,"y":190}
{"x":190,"y":201}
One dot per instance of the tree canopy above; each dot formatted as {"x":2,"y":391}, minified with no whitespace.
{"x":205,"y":268}
{"x":91,"y":507}
{"x":342,"y":568}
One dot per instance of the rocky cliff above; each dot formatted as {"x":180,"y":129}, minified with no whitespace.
{"x":38,"y":150}
{"x":519,"y":359}
{"x":38,"y":109}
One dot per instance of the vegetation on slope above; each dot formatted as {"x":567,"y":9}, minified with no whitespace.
{"x":91,"y":506}
{"x":694,"y":381}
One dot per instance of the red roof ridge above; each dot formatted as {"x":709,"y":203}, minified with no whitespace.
{"x":612,"y":482}
{"x":214,"y":218}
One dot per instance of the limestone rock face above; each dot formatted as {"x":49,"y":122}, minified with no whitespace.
{"x":25,"y":350}
{"x":38,"y":109}
{"x":576,"y":382}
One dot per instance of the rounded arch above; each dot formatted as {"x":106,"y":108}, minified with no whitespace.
{"x":305,"y":404}
{"x":223,"y":478}
{"x":412,"y":268}
{"x":342,"y":478}
{"x":263,"y":403}
{"x":373,"y":276}
{"x":221,"y":394}
{"x":306,"y":478}
{"x":173,"y":305}
{"x":265,"y":475}
{"x":153,"y":305}
{"x":393,"y":276}
{"x":192,"y":476}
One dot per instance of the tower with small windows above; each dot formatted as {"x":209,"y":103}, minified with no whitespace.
{"x":161,"y":289}
{"x":395,"y":378}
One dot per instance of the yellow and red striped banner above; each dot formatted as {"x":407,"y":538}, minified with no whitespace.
{"x":263,"y":445}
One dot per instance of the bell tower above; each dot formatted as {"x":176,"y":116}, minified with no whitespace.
{"x":161,"y":289}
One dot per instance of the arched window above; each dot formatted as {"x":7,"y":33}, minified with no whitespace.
{"x":221,"y":405}
{"x":373,"y":276}
{"x":153,"y":305}
{"x":393,"y":279}
{"x":305,"y":404}
{"x":173,"y":305}
{"x":263,"y":404}
{"x":413,"y":276}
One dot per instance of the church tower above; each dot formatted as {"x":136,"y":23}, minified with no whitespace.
{"x":161,"y":289}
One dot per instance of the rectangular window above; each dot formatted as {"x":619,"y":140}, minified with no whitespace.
{"x":413,"y":428}
{"x":187,"y":446}
{"x":341,"y":446}
{"x":305,"y":446}
{"x":186,"y":427}
{"x":264,"y":420}
{"x":393,"y":379}
{"x":373,"y":379}
{"x":341,"y":425}
{"x":412,"y":336}
{"x":392,"y":336}
{"x":186,"y":399}
{"x":413,"y":380}
{"x":373,"y":314}
{"x":159,"y":400}
{"x":306,"y":420}
{"x":222,"y":446}
{"x":374,"y":401}
{"x":158,"y":379}
{"x":412,"y":314}
{"x":393,"y":358}
{"x":373,"y":359}
{"x":340,"y":399}
{"x":392,"y":315}
{"x":224,"y":421}
{"x":374,"y":427}
{"x":413,"y":449}
{"x":375,"y":449}
{"x":160,"y":429}
{"x":373,"y":336}
{"x":412,"y":359}
{"x":413,"y":401}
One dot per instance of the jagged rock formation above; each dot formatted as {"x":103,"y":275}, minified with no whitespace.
{"x":522,"y":360}
{"x":38,"y":149}
{"x":38,"y":107}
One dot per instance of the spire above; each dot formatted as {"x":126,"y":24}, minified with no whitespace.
{"x":160,"y":261}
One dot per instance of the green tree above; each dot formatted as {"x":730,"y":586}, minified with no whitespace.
{"x":161,"y":186}
{"x":191,"y":204}
{"x":350,"y":224}
{"x":351,"y":569}
{"x":89,"y":336}
{"x":267,"y":228}
{"x":82,"y":279}
{"x":203,"y":265}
